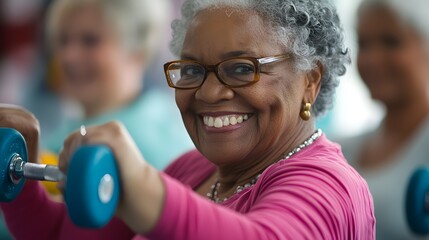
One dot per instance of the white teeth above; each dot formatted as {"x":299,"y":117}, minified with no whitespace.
{"x":210,"y":123}
{"x":224,"y":121}
{"x":218,"y":123}
{"x":233,"y":120}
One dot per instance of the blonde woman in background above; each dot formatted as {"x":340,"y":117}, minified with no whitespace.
{"x":103,"y":48}
{"x":393,"y":61}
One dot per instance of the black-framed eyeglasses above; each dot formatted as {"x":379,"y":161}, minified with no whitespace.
{"x":233,"y":72}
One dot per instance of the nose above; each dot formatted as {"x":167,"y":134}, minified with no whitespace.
{"x":71,"y":52}
{"x":213,"y":91}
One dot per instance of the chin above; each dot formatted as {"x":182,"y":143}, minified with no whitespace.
{"x":83,"y":99}
{"x":221,"y":155}
{"x":387,"y":99}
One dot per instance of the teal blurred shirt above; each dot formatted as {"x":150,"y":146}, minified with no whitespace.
{"x":153,"y":121}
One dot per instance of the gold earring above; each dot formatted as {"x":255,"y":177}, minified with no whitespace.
{"x":305,"y":113}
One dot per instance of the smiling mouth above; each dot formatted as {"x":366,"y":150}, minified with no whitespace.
{"x":225,"y":121}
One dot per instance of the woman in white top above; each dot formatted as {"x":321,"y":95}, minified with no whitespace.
{"x":393,"y":61}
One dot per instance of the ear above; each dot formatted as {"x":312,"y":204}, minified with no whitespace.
{"x":313,"y":81}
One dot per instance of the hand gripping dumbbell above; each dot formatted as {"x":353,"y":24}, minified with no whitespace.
{"x":92,"y":180}
{"x":417,"y":201}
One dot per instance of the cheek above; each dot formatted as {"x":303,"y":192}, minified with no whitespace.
{"x":382,"y":70}
{"x":184,"y":100}
{"x":278,"y":103}
{"x":416,"y":79}
{"x":407,"y":69}
{"x":401,"y":61}
{"x":109,"y":66}
{"x":104,"y":59}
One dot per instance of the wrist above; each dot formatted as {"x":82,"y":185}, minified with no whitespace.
{"x":142,"y":206}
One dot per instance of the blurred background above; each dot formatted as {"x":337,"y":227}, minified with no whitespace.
{"x":29,"y":75}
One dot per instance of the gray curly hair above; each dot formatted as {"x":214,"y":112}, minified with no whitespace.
{"x":310,"y":29}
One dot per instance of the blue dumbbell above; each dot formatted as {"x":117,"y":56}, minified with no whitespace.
{"x":417,"y":202}
{"x":92,"y":183}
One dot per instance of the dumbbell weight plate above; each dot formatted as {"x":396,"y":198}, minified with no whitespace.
{"x":417,"y":213}
{"x":11,"y":142}
{"x":92,"y":187}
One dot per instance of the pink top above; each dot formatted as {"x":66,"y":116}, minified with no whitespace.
{"x":313,"y":195}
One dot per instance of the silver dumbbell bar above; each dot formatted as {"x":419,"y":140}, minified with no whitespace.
{"x":19,"y":169}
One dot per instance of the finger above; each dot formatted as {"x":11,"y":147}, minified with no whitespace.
{"x":71,"y":144}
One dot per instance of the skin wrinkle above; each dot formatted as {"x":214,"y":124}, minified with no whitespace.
{"x":274,"y":102}
{"x":319,"y":42}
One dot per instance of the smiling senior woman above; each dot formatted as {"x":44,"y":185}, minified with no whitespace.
{"x":250,"y":74}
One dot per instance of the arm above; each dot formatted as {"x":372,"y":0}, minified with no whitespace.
{"x":308,"y":200}
{"x":34,"y":215}
{"x":23,"y":211}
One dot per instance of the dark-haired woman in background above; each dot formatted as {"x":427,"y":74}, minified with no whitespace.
{"x":393,"y":61}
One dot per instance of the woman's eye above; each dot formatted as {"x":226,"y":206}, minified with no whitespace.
{"x":392,"y":42}
{"x":192,"y":71}
{"x":90,"y":40}
{"x":241,"y":69}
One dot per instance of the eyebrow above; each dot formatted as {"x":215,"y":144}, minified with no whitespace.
{"x":227,"y":55}
{"x":238,"y":54}
{"x":187,"y":57}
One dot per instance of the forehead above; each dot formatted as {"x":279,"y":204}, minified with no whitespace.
{"x":83,"y":16}
{"x":217,"y":31}
{"x":380,"y":19}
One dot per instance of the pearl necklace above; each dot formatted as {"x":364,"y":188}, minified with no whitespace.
{"x":213,"y":194}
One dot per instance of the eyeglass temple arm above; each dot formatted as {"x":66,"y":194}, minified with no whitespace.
{"x":272,"y":59}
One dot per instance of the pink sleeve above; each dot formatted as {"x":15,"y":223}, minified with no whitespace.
{"x":303,"y":203}
{"x":34,"y":216}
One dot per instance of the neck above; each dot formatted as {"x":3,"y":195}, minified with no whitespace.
{"x":231,"y":176}
{"x":403,"y":119}
{"x":111,"y":102}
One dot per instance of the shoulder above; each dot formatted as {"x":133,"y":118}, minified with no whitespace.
{"x":319,"y":184}
{"x":190,"y":168}
{"x":321,"y":169}
{"x":323,"y":155}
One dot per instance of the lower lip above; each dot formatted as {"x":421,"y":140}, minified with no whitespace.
{"x":229,"y":128}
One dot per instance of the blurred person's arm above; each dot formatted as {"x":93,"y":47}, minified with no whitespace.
{"x":32,"y":215}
